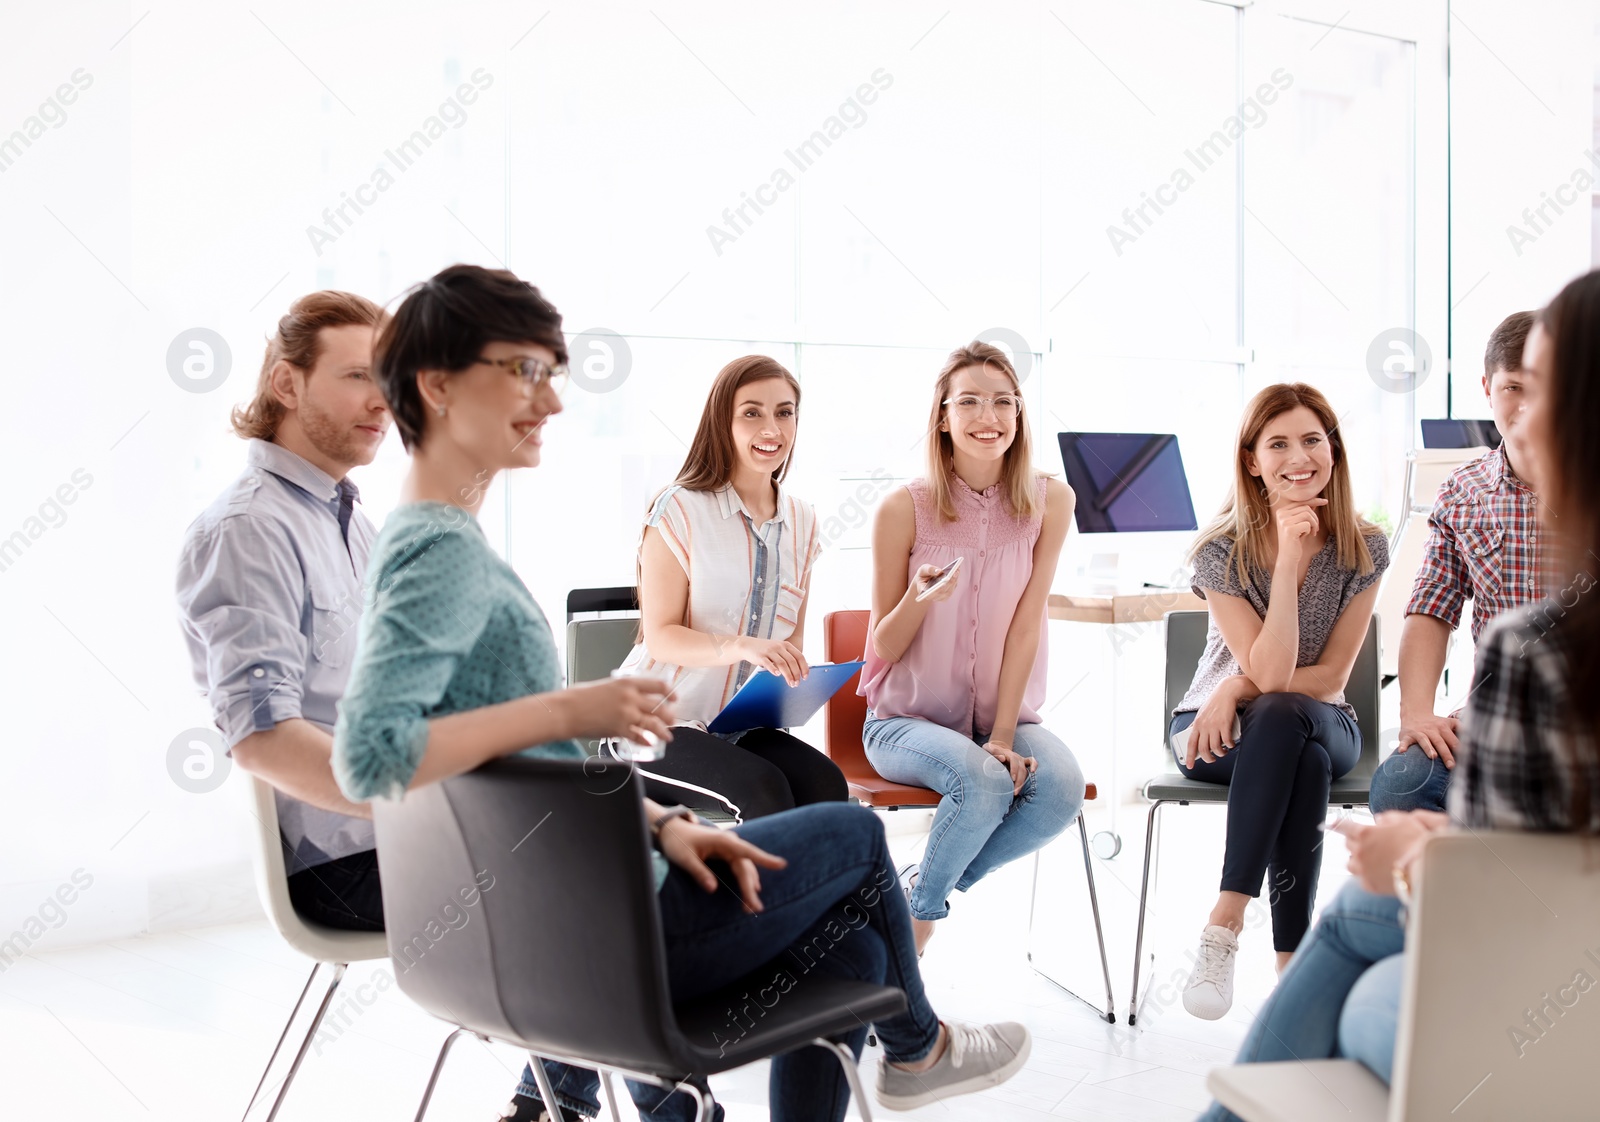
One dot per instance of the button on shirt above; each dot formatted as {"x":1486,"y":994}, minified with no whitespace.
{"x":270,"y":592}
{"x":931,"y":680}
{"x":744,"y":579}
{"x":1484,"y":543}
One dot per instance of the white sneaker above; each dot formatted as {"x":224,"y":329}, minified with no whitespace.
{"x":1209,"y":993}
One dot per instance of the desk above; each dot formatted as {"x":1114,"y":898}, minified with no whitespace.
{"x":1138,"y":606}
{"x":1144,"y":605}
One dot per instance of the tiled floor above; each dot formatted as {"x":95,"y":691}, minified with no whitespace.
{"x":177,"y":1026}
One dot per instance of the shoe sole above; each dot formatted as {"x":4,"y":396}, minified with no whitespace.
{"x":1207,"y":1016}
{"x":950,"y":1090}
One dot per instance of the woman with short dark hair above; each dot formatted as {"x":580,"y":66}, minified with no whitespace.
{"x":456,"y":666}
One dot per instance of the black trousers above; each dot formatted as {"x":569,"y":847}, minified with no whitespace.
{"x":344,"y":893}
{"x":766,"y":772}
{"x":1290,"y":750}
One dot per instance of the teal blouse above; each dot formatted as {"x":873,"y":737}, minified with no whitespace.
{"x":448,"y":626}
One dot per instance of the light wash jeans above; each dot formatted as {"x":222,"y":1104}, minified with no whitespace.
{"x":1409,"y":780}
{"x":1339,"y":996}
{"x":980,"y":824}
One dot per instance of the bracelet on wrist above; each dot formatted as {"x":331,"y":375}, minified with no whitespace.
{"x":668,"y":815}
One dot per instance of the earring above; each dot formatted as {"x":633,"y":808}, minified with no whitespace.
{"x":440,"y":410}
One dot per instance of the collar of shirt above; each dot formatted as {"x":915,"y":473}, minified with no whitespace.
{"x":988,"y":492}
{"x":1501,"y":474}
{"x":729,"y":503}
{"x":296,"y":469}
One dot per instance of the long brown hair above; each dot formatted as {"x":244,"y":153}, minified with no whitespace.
{"x":709,"y":464}
{"x":1018,"y":476}
{"x":298,"y":341}
{"x":1246,"y":515}
{"x":1572,"y":321}
{"x":712,"y":456}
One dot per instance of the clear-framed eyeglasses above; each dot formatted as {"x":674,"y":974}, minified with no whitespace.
{"x":1006,"y":406}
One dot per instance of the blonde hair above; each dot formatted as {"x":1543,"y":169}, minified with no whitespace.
{"x":298,"y":341}
{"x":1246,"y":517}
{"x":1018,"y":477}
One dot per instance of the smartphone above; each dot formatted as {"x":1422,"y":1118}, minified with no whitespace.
{"x":941,"y":580}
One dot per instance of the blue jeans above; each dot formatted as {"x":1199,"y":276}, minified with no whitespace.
{"x":981,"y":822}
{"x":836,"y":909}
{"x":1409,"y":781}
{"x":1339,"y":996}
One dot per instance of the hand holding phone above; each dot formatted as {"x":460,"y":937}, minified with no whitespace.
{"x":940,"y":579}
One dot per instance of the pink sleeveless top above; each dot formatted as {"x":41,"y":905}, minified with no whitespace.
{"x":950,"y":674}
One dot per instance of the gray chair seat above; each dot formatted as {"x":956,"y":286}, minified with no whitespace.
{"x":1186,"y":641}
{"x":1351,"y":790}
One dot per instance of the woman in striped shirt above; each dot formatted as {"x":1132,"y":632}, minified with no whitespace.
{"x":724,"y":570}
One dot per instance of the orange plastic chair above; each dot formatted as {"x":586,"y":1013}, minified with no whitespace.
{"x":844,"y":638}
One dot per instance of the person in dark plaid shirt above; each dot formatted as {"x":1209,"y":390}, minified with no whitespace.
{"x":1484,"y":545}
{"x":1529,"y":750}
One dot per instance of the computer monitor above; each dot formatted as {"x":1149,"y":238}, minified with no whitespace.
{"x":1127,"y":482}
{"x":1455,"y":432}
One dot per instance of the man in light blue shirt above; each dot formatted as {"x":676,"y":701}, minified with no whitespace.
{"x":270,"y":589}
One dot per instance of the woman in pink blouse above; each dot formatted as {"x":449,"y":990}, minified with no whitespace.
{"x":955,"y":677}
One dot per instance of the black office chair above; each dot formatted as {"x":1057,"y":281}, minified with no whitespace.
{"x":595,"y":647}
{"x":562,"y":953}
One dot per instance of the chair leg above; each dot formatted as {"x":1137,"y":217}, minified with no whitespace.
{"x":1144,"y":898}
{"x":433,"y":1077}
{"x":547,"y":1093}
{"x":1033,"y":901}
{"x":1110,"y":1014}
{"x":609,"y":1093}
{"x":847,"y":1060}
{"x":300,"y":1055}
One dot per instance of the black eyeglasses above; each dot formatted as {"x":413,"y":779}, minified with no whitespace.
{"x":533,"y":372}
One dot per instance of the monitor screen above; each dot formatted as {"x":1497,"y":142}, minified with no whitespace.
{"x":1452,"y":432}
{"x":1127,"y":481}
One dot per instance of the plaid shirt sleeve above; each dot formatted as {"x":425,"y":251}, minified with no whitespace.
{"x":1515,"y":761}
{"x":1442,"y":583}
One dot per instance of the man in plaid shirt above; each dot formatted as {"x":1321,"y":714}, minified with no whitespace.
{"x":1484,"y":544}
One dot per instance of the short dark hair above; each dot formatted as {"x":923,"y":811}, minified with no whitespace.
{"x":445,"y":322}
{"x":1504,"y":351}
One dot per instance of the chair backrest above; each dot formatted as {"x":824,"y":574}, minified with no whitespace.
{"x":596,"y":647}
{"x":324,"y":944}
{"x":1186,"y":642}
{"x":1406,"y":551}
{"x":1361,"y":691}
{"x":616,"y":598}
{"x":520,"y":903}
{"x":1508,"y":925}
{"x":844,"y":639}
{"x":1428,"y":468}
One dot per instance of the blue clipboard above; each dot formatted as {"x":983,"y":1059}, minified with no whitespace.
{"x":766,"y":701}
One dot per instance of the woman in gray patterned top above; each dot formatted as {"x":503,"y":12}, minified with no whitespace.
{"x":1266,"y":713}
{"x":1529,"y":757}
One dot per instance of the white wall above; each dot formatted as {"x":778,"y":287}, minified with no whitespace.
{"x":974,"y":192}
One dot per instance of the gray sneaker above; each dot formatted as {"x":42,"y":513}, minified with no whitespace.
{"x":975,"y":1058}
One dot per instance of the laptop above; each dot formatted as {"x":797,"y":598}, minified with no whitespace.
{"x":1127,"y":482}
{"x":1455,"y":432}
